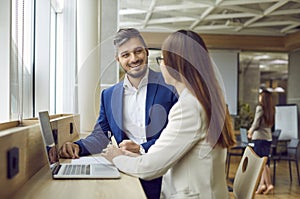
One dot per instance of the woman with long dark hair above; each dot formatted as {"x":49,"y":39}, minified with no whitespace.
{"x":191,"y":151}
{"x":261,"y":135}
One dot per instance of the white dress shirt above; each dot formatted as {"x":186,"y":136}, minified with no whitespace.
{"x":134,"y":110}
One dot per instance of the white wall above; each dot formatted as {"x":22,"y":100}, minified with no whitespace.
{"x":227,"y":63}
{"x":96,"y":26}
{"x":88,"y":65}
{"x":293,"y":93}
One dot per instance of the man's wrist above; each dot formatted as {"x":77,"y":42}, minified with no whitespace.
{"x":79,"y":147}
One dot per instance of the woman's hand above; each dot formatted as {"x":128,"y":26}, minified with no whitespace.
{"x":130,"y":146}
{"x":249,"y":135}
{"x":111,"y":152}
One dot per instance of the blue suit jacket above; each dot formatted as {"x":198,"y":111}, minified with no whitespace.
{"x":159,"y":100}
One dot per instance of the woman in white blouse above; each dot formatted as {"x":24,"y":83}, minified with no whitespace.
{"x":191,"y":151}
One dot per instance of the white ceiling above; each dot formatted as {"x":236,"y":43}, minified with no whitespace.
{"x":243,"y":17}
{"x":251,"y":17}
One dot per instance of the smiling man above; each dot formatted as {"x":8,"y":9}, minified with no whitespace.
{"x":134,"y":111}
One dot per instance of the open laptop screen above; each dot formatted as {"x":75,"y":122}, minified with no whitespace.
{"x":84,"y":167}
{"x":48,"y":136}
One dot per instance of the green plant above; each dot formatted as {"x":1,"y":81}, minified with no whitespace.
{"x":245,"y":117}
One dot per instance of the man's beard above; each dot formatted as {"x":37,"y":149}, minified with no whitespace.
{"x":138,"y":74}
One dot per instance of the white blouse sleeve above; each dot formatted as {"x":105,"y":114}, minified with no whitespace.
{"x":185,"y":128}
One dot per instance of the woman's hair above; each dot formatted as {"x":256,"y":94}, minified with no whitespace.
{"x":268,"y":107}
{"x":187,"y":60}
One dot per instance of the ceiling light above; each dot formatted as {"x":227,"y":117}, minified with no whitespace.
{"x":279,"y":61}
{"x":278,"y":89}
{"x":273,"y":90}
{"x":258,"y":57}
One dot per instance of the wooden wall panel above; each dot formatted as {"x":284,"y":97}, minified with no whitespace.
{"x":32,"y":156}
{"x":64,"y":131}
{"x":61,"y":123}
{"x":243,"y":42}
{"x":235,"y":42}
{"x":292,"y":41}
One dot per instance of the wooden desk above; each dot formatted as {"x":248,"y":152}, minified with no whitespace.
{"x":41,"y":185}
{"x":34,"y":179}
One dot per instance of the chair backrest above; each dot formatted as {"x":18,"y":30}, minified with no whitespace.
{"x":244,"y":137}
{"x":292,"y":147}
{"x":275,"y":137}
{"x":248,"y":174}
{"x":276,"y":133}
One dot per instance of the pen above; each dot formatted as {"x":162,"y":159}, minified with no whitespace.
{"x":112,"y":139}
{"x":114,"y":142}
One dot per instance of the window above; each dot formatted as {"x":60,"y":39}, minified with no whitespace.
{"x":39,"y":58}
{"x":5,"y":13}
{"x":21,"y":59}
{"x":63,"y":64}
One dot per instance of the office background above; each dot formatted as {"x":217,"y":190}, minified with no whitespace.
{"x":58,"y":55}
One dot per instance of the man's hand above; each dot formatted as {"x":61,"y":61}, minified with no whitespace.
{"x":52,"y":153}
{"x":130,"y":146}
{"x":69,"y":150}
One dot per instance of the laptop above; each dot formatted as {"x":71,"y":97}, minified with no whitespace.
{"x":84,"y":167}
{"x":244,"y":138}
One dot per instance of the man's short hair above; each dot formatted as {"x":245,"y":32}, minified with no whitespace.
{"x":123,"y":35}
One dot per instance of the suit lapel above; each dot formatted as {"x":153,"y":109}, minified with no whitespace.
{"x":153,"y":81}
{"x":117,"y":110}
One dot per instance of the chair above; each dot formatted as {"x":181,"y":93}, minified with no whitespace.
{"x":275,"y":138}
{"x":248,"y":174}
{"x":291,"y":156}
{"x":238,"y":149}
{"x":273,"y":152}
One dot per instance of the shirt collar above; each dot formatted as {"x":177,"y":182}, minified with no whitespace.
{"x":143,"y":82}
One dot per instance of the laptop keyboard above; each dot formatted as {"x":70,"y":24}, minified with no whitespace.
{"x":74,"y":169}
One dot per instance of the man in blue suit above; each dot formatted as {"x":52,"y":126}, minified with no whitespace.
{"x":134,"y":111}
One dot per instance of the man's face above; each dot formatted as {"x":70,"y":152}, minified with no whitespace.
{"x":133,"y":57}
